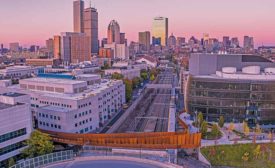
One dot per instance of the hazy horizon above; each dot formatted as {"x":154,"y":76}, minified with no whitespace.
{"x":34,"y":21}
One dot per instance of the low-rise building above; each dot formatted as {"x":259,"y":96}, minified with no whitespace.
{"x":79,"y":104}
{"x":127,"y":73}
{"x":151,"y":61}
{"x":19,"y":71}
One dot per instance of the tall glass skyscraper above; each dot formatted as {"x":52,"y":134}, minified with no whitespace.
{"x":113,"y":32}
{"x":78,"y":16}
{"x":91,"y":27}
{"x":160,"y":29}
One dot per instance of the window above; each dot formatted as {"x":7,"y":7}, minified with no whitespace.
{"x":12,"y":147}
{"x":14,"y":134}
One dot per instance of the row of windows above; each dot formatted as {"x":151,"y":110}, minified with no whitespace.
{"x":83,"y":114}
{"x":12,"y":135}
{"x":51,"y":116}
{"x":50,"y":125}
{"x":12,"y":147}
{"x":55,"y":104}
{"x":83,"y":122}
{"x":85,"y":130}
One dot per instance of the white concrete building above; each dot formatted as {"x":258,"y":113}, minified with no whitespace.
{"x":127,"y":73}
{"x":121,"y":51}
{"x":19,"y":71}
{"x":151,"y":61}
{"x":76,"y":106}
{"x":16,"y":124}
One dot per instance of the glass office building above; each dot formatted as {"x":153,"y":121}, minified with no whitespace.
{"x":160,"y":29}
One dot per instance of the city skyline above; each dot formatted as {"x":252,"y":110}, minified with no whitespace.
{"x":186,"y":19}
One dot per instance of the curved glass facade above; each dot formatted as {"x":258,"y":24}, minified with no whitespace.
{"x":236,"y":100}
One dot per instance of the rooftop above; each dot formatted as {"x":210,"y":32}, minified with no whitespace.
{"x":4,"y":106}
{"x":54,"y":81}
{"x":12,"y":94}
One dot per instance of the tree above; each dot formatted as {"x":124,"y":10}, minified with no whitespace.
{"x":117,"y":76}
{"x":221,"y":121}
{"x":215,"y":131}
{"x":144,"y":75}
{"x":11,"y":162}
{"x":245,"y":128}
{"x":38,"y":144}
{"x":128,"y":89}
{"x":152,"y":77}
{"x":231,"y":126}
{"x":257,"y":152}
{"x":203,"y":128}
{"x":200,"y":119}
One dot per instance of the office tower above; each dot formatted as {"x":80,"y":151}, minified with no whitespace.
{"x":144,"y":40}
{"x":248,"y":43}
{"x":78,"y":16}
{"x":180,"y":41}
{"x":104,"y":41}
{"x":91,"y":27}
{"x":172,"y":41}
{"x":33,"y":48}
{"x":56,"y":47}
{"x":106,"y":53}
{"x":226,"y":42}
{"x":121,"y":51}
{"x":49,"y":46}
{"x":14,"y":47}
{"x":2,"y":48}
{"x":206,"y":36}
{"x":122,"y":38}
{"x":75,"y":47}
{"x":113,"y":32}
{"x":160,"y":29}
{"x":235,"y":42}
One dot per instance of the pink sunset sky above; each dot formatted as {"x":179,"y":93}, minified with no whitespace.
{"x":34,"y":21}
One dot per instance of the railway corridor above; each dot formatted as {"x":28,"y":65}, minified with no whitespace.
{"x":151,"y":114}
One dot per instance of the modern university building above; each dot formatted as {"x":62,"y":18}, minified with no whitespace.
{"x":237,"y":87}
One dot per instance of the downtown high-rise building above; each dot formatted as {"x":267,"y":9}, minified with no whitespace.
{"x":2,"y":48}
{"x":144,"y":40}
{"x":180,"y":41}
{"x":248,"y":43}
{"x":78,"y":12}
{"x":14,"y":47}
{"x":91,"y":27}
{"x":226,"y":42}
{"x":75,"y":48}
{"x":235,"y":42}
{"x":160,"y":29}
{"x":56,"y":47}
{"x":50,"y":47}
{"x":113,"y":32}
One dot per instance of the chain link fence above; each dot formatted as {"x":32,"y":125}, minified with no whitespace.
{"x":41,"y":161}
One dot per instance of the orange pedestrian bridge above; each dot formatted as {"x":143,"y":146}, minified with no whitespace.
{"x":154,"y":140}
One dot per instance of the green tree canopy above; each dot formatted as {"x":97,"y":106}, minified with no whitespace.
{"x":221,"y":121}
{"x":200,"y":118}
{"x":136,"y":82}
{"x":38,"y":144}
{"x":215,"y":131}
{"x":144,"y":75}
{"x":128,"y":89}
{"x":11,"y":162}
{"x":203,"y":127}
{"x":152,"y":77}
{"x":117,"y":76}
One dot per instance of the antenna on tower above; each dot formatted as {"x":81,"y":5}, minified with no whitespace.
{"x":90,"y":3}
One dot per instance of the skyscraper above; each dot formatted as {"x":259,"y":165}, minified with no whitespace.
{"x":49,"y":46}
{"x":113,"y":32}
{"x":56,"y":47}
{"x":144,"y":40}
{"x":180,"y":41}
{"x":226,"y":42}
{"x":91,"y":27}
{"x":2,"y":48}
{"x":248,"y":43}
{"x":172,"y":41}
{"x":78,"y":16}
{"x":14,"y":47}
{"x":75,"y":47}
{"x":235,"y":42}
{"x":160,"y":29}
{"x":122,"y":38}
